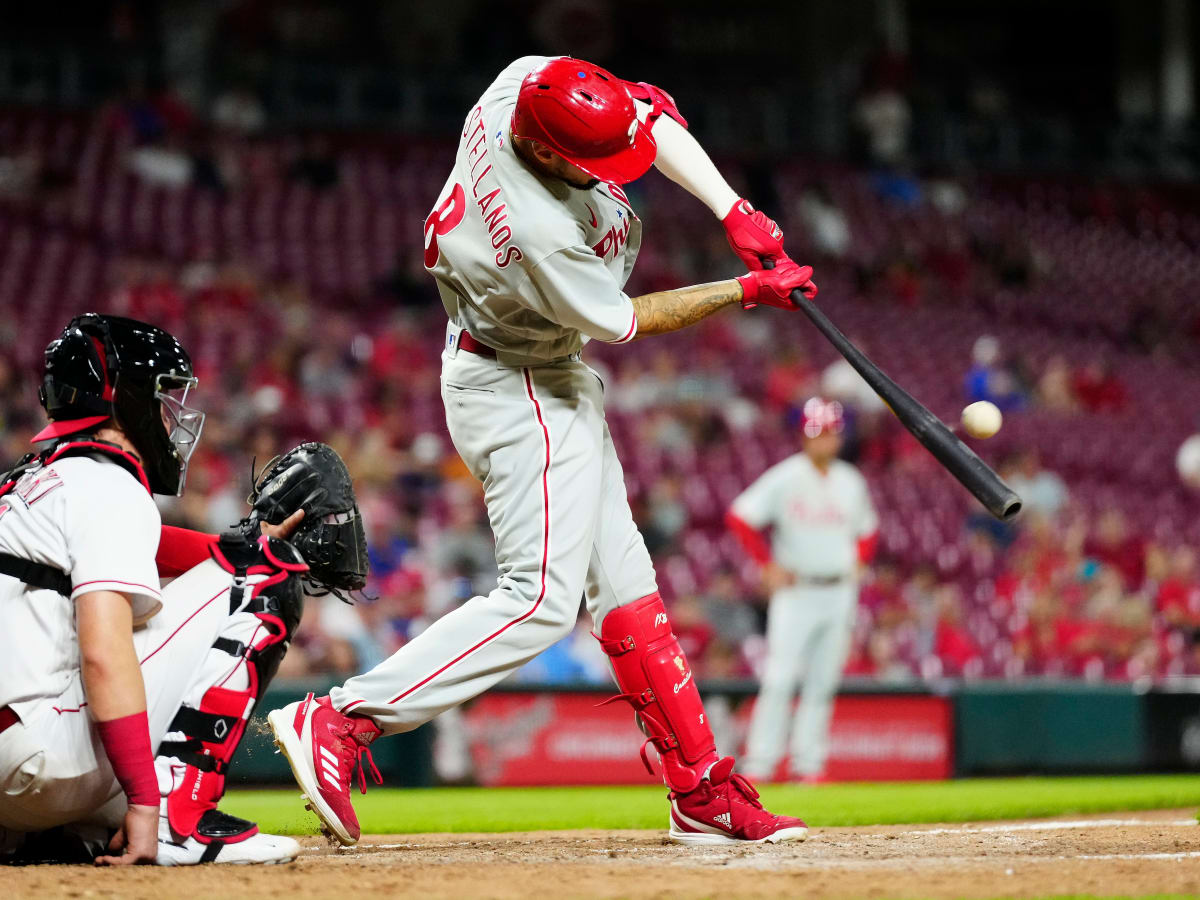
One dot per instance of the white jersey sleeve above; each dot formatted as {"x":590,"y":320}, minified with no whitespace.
{"x":576,"y":290}
{"x":112,"y":530}
{"x":759,"y":505}
{"x":868,"y":519}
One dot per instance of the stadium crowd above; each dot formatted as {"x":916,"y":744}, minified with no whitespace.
{"x":286,"y":352}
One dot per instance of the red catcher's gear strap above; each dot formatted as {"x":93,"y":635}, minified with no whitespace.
{"x":752,"y":540}
{"x":181,"y":549}
{"x":654,"y":676}
{"x":87,"y":444}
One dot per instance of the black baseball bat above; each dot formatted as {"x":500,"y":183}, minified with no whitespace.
{"x":960,"y":460}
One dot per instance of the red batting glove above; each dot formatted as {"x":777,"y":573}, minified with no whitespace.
{"x":774,"y":286}
{"x":752,"y":235}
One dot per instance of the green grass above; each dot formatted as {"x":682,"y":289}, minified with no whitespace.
{"x":530,"y":809}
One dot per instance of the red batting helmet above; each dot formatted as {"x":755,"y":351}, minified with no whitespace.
{"x":820,"y":416}
{"x":584,"y":114}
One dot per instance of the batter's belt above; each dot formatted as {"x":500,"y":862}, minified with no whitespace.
{"x":468,"y":343}
{"x":821,"y":580}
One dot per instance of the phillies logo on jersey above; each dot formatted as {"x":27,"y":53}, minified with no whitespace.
{"x":614,"y":240}
{"x":813,"y":514}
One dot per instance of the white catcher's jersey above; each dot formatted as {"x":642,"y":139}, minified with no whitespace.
{"x":529,"y":265}
{"x":817,"y":519}
{"x":91,"y":519}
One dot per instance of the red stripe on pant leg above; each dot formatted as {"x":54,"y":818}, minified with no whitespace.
{"x":184,"y":624}
{"x":545,"y":549}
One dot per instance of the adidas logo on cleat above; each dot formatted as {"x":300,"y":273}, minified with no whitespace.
{"x":723,"y":819}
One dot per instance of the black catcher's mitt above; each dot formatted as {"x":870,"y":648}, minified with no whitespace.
{"x":330,"y":537}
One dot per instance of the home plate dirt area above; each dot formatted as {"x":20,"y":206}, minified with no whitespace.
{"x":1125,"y":854}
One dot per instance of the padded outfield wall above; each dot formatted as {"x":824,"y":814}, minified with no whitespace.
{"x":535,"y":735}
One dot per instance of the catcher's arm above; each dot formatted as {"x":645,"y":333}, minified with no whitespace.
{"x":181,"y":549}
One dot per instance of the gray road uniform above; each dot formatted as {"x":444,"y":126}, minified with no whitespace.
{"x":532,"y":269}
{"x":818,"y":519}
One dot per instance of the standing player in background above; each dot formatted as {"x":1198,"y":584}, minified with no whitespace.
{"x":121,"y":704}
{"x":824,"y":529}
{"x":530,"y":243}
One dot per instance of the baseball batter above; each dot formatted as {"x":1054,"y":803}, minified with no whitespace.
{"x":824,"y":527}
{"x":121,"y":702}
{"x":530,"y":243}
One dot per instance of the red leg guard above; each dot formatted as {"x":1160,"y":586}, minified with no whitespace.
{"x":210,"y":724}
{"x":655,"y":678}
{"x":203,"y":784}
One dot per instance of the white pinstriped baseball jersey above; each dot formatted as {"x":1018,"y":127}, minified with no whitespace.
{"x":529,"y":265}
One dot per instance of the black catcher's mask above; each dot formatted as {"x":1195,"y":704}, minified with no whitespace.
{"x":109,"y":367}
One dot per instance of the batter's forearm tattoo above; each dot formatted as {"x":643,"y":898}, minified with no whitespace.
{"x":667,"y":311}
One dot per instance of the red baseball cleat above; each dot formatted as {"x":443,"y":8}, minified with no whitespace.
{"x":324,"y":748}
{"x":725,"y":809}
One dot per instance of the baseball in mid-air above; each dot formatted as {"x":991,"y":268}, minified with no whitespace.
{"x":982,"y":419}
{"x":1187,"y":461}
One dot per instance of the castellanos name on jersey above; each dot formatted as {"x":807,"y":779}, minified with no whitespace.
{"x":528,"y":264}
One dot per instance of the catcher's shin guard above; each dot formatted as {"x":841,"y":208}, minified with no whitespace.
{"x":265,"y":604}
{"x":654,"y":676}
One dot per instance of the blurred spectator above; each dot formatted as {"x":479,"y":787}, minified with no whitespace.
{"x":1056,"y":389}
{"x":239,"y":110}
{"x":1112,"y":544}
{"x":790,"y":380}
{"x":1099,"y":389}
{"x":1178,"y":596}
{"x":990,"y":379}
{"x":841,"y":381}
{"x":943,"y":635}
{"x":724,"y":608}
{"x":826,"y":224}
{"x":1042,"y":492}
{"x":885,"y":119}
{"x":573,"y":660}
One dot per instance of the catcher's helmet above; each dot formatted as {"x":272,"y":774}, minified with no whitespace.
{"x":109,"y":367}
{"x":584,"y":114}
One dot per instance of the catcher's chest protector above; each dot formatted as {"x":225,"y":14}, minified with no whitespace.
{"x":265,"y":603}
{"x":654,"y":676}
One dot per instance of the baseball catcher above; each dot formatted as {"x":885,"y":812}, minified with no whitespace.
{"x":123,"y":701}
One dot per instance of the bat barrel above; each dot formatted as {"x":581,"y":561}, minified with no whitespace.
{"x":959,"y":459}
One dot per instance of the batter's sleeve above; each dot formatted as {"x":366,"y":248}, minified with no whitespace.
{"x":574,"y":289}
{"x":112,"y":536}
{"x":759,"y":505}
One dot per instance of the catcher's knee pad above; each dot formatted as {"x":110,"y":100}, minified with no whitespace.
{"x":265,"y":604}
{"x":654,"y":676}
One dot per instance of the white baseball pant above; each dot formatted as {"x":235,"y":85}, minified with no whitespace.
{"x":808,"y":638}
{"x":53,"y":769}
{"x":555,"y":493}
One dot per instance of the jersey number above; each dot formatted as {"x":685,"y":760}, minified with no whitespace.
{"x":445,"y":217}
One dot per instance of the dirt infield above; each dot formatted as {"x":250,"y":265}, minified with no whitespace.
{"x":1125,"y":854}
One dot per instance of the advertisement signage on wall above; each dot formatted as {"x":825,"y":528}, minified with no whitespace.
{"x":564,"y":738}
